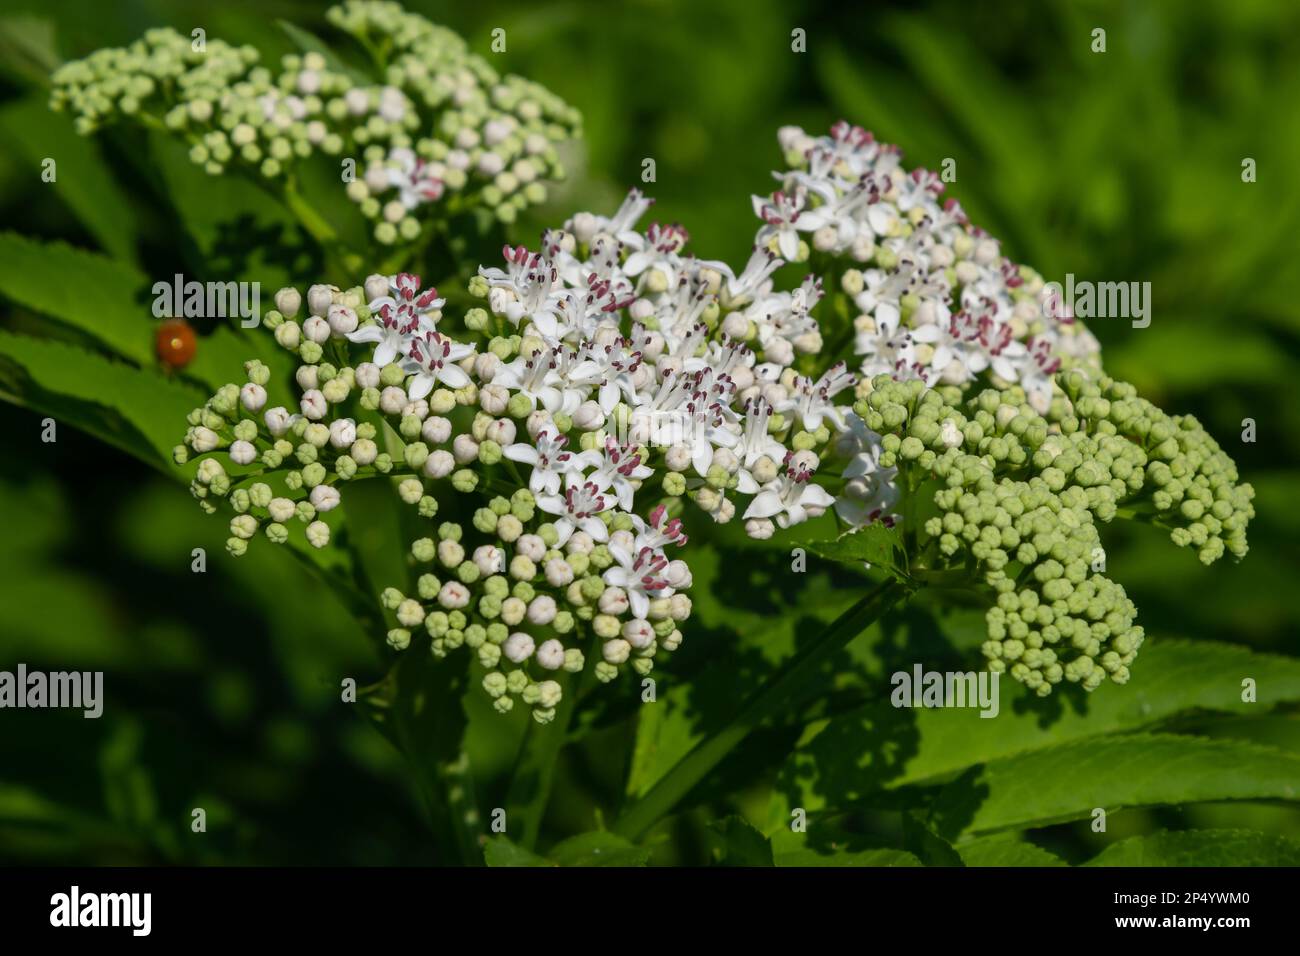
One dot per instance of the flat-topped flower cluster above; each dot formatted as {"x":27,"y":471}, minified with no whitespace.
{"x":561,"y":437}
{"x":426,"y":120}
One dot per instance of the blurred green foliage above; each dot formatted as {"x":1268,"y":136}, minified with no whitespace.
{"x":224,"y":687}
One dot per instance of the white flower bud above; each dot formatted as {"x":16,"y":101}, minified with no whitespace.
{"x":364,"y":451}
{"x":435,"y":430}
{"x":485,"y":366}
{"x":453,"y":595}
{"x":580,"y":543}
{"x":518,"y":647}
{"x":679,"y":607}
{"x":678,"y":574}
{"x":551,"y":655}
{"x":243,"y":453}
{"x":288,"y":301}
{"x":616,"y":651}
{"x":640,"y":634}
{"x":541,"y":610}
{"x":779,"y":351}
{"x":589,"y":416}
{"x":419,"y":408}
{"x":558,"y":573}
{"x":410,"y":490}
{"x":316,"y":329}
{"x":584,"y":227}
{"x":678,"y":458}
{"x":760,"y":529}
{"x":536,"y":421}
{"x":367,"y":374}
{"x":324,"y":498}
{"x":613,"y":601}
{"x":502,"y":431}
{"x":513,"y":611}
{"x":313,"y":404}
{"x":319,"y":299}
{"x":489,"y":559}
{"x":282,"y":509}
{"x":318,"y":534}
{"x":735,"y":326}
{"x":376,"y":287}
{"x":287,"y":335}
{"x":252,"y":396}
{"x":765,"y":470}
{"x":531,"y":546}
{"x":392,"y":400}
{"x":465,"y":448}
{"x":343,"y":432}
{"x":640,"y":310}
{"x":439,"y":464}
{"x":493,"y":399}
{"x":342,"y":320}
{"x":307,"y":376}
{"x":204,"y":439}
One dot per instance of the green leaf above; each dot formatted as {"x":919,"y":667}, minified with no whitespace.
{"x":877,"y":545}
{"x":740,"y":844}
{"x":841,"y":760}
{"x":1069,"y":782}
{"x":928,"y":847}
{"x":598,"y":848}
{"x":824,"y":845}
{"x":499,"y":851}
{"x":82,"y":179}
{"x":1201,"y":848}
{"x":149,"y":411}
{"x":761,"y":632}
{"x":100,"y":296}
{"x":1002,"y":851}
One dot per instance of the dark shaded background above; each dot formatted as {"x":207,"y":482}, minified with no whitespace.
{"x":1117,"y":166}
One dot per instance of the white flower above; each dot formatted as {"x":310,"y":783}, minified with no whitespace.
{"x":640,"y":575}
{"x":549,"y":460}
{"x":791,"y":498}
{"x":411,"y":174}
{"x":577,"y":509}
{"x":432,"y":359}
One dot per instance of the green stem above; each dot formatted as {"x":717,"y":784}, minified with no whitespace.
{"x":530,"y":783}
{"x":696,"y":765}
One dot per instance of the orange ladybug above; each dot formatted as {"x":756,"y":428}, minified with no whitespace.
{"x":176,"y":343}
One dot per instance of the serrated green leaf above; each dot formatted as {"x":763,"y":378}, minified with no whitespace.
{"x":840,"y":761}
{"x":102,"y":297}
{"x":1001,"y":851}
{"x":876,"y":544}
{"x":740,"y":844}
{"x":1069,"y":782}
{"x":153,"y":406}
{"x":1201,"y":848}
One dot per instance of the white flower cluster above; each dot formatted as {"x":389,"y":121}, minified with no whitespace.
{"x":935,"y":297}
{"x":439,"y":120}
{"x":621,"y":331}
